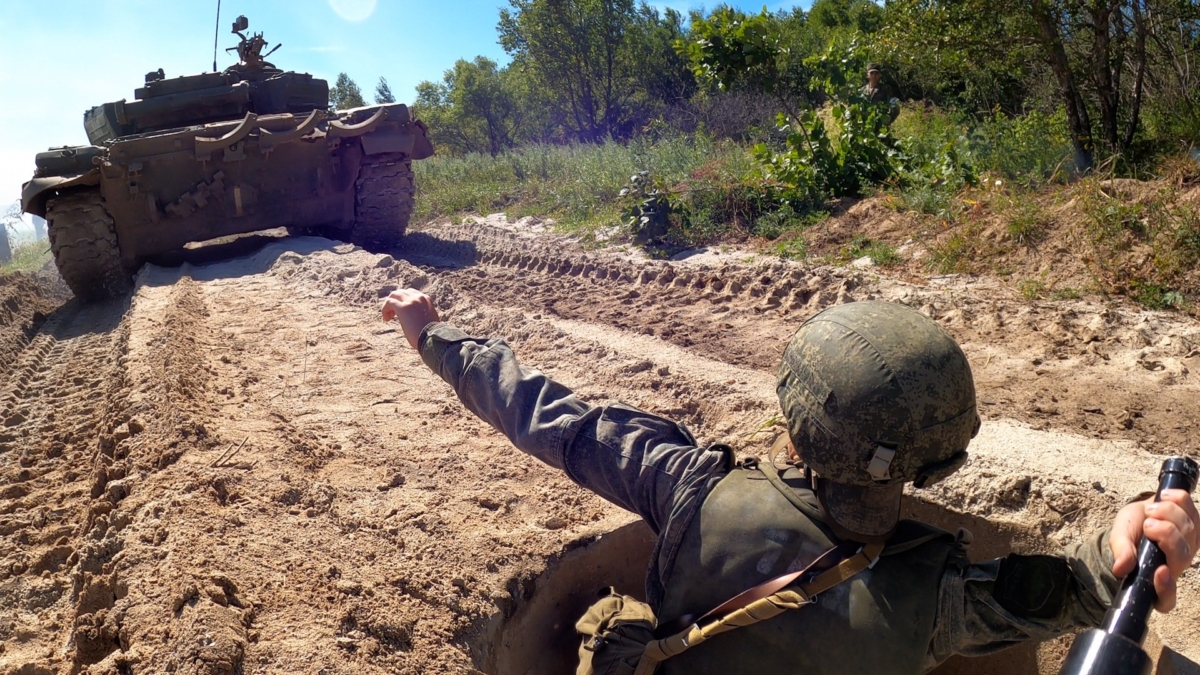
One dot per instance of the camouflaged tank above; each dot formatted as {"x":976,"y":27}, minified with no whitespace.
{"x":204,"y":156}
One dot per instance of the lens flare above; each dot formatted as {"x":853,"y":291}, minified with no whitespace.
{"x":353,"y":10}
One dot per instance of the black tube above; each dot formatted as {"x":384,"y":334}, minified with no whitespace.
{"x":1115,"y":647}
{"x":1131,"y":608}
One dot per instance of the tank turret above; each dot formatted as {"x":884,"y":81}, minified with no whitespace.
{"x":250,"y":85}
{"x":219,"y":154}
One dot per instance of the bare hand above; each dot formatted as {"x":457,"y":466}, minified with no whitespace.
{"x":1173,"y":524}
{"x":413,"y":309}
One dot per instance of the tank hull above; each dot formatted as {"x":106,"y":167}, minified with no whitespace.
{"x":168,"y":188}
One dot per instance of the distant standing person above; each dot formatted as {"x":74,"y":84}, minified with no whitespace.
{"x":875,"y":91}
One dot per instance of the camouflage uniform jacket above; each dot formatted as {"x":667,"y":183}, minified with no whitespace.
{"x":653,"y":467}
{"x":881,"y":95}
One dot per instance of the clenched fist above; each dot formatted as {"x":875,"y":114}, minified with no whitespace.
{"x":413,"y":309}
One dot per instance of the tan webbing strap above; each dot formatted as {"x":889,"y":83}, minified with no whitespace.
{"x":762,"y":609}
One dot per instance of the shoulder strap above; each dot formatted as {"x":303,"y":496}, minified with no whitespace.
{"x":752,"y":606}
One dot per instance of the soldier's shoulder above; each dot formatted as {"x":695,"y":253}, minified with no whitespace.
{"x":913,"y":534}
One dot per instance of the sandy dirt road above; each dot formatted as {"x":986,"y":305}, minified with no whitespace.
{"x":243,"y":470}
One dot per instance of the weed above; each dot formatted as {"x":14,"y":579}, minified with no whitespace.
{"x":930,"y":199}
{"x":786,"y":219}
{"x":1147,"y":248}
{"x":576,"y":184}
{"x":955,"y":254}
{"x":879,"y":252}
{"x":1066,"y":293}
{"x":1032,"y":149}
{"x":1154,"y":296}
{"x":792,"y":249}
{"x":1031,"y":289}
{"x":1025,"y":221}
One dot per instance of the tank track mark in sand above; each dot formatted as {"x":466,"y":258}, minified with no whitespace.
{"x":84,"y":241}
{"x":56,"y":402}
{"x":735,"y":313}
{"x":384,"y":198}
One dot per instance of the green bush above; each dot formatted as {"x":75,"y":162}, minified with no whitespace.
{"x":1030,"y":149}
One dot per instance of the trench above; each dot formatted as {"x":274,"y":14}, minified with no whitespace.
{"x":536,"y":635}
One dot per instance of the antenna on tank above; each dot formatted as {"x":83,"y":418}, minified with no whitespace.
{"x":216,"y":35}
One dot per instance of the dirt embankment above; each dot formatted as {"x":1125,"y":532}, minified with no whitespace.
{"x":245,"y":471}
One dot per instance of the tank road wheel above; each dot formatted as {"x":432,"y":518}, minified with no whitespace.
{"x":85,"y":247}
{"x":384,"y":199}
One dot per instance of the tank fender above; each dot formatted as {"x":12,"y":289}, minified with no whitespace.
{"x":36,"y":192}
{"x":411,"y":139}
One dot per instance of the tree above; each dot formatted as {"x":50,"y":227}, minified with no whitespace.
{"x":596,"y":61}
{"x":1102,"y":54}
{"x":345,"y":94}
{"x":383,"y":93}
{"x":475,"y":107}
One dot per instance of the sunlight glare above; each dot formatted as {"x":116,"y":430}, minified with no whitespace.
{"x":353,"y":10}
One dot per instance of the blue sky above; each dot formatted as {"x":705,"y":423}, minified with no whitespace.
{"x":59,"y":58}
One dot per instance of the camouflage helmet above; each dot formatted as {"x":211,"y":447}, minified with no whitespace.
{"x":876,"y":395}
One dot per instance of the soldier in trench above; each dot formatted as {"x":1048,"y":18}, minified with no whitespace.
{"x":875,"y":396}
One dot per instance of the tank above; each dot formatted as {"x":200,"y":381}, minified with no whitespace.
{"x":204,"y":156}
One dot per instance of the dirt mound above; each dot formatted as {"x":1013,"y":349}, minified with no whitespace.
{"x":25,"y":302}
{"x":1098,"y":238}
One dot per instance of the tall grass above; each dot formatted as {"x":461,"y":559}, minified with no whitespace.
{"x":576,"y":184}
{"x":27,"y":256}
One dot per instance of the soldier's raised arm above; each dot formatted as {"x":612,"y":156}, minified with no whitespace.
{"x":639,"y":461}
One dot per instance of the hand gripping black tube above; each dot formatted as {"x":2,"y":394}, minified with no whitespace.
{"x":1116,"y":647}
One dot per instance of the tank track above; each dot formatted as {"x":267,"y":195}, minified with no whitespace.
{"x":85,"y":247}
{"x":384,"y":197}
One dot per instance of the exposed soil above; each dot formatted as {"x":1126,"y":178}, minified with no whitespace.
{"x":242,"y":470}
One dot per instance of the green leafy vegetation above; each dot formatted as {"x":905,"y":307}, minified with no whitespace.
{"x":743,"y":127}
{"x":27,"y":256}
{"x":578,"y":184}
{"x":1031,"y":289}
{"x":1024,"y":219}
{"x":794,"y":248}
{"x":649,"y":211}
{"x":954,"y":255}
{"x":1147,"y":246}
{"x":880,"y":253}
{"x":345,"y":94}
